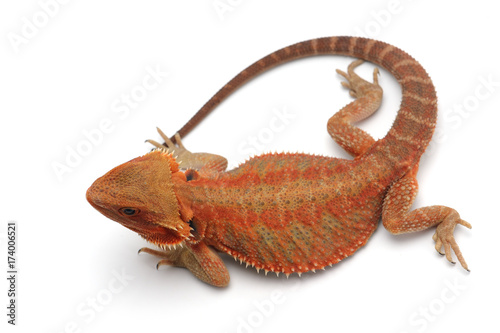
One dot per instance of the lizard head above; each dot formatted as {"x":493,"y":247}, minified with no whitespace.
{"x":139,"y":195}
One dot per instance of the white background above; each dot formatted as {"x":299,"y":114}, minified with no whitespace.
{"x":71,"y":73}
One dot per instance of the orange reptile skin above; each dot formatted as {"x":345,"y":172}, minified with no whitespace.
{"x":287,"y":213}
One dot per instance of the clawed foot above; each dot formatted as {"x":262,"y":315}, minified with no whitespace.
{"x":198,"y":161}
{"x":198,"y":258}
{"x":444,"y":238}
{"x":174,"y":148}
{"x":357,"y":86}
{"x":169,"y":258}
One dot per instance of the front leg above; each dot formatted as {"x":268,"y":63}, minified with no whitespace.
{"x":188,"y":160}
{"x":198,"y":258}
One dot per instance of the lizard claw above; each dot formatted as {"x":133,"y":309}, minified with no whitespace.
{"x":357,"y":86}
{"x":187,"y":159}
{"x":169,"y":257}
{"x":168,"y":145}
{"x":164,"y":262}
{"x":444,"y":238}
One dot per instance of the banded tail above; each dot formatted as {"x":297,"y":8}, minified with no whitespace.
{"x":416,"y":119}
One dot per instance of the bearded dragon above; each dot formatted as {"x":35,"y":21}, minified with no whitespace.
{"x":287,"y":213}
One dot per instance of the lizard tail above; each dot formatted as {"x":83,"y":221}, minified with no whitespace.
{"x":415,"y":122}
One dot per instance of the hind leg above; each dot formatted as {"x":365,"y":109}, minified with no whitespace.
{"x":398,"y":219}
{"x":368,"y":98}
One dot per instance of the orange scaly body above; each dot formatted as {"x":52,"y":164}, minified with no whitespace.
{"x":287,"y":213}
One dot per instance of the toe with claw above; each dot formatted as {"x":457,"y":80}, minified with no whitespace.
{"x":444,"y":238}
{"x":188,"y":160}
{"x":357,"y":86}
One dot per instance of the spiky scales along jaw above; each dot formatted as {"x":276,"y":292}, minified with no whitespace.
{"x":139,"y":195}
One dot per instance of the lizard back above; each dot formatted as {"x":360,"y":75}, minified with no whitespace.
{"x":287,"y":212}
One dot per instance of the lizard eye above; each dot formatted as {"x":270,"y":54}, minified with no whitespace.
{"x":129,"y":211}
